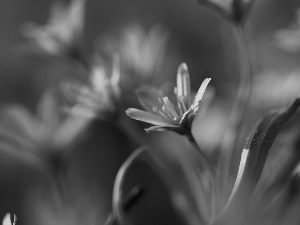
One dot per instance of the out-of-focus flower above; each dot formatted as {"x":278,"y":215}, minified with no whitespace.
{"x":7,"y":220}
{"x":166,"y":115}
{"x":62,"y":35}
{"x":235,"y":10}
{"x":39,"y":138}
{"x":289,"y":39}
{"x":274,"y":88}
{"x":99,"y":97}
{"x":141,"y":52}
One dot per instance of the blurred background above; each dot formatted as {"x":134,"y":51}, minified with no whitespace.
{"x":195,"y":36}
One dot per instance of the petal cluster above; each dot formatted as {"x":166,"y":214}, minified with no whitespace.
{"x":99,"y":97}
{"x":63,"y":31}
{"x":164,"y":113}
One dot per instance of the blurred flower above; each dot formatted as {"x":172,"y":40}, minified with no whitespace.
{"x":39,"y":138}
{"x":141,"y":52}
{"x":166,"y":115}
{"x":62,"y":34}
{"x":100,"y":96}
{"x":7,"y":220}
{"x":289,"y":39}
{"x":232,"y":9}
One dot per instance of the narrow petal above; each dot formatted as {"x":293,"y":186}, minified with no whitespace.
{"x":148,"y":97}
{"x":6,"y":219}
{"x":200,"y":93}
{"x":170,"y":108}
{"x":174,"y":128}
{"x":146,"y":117}
{"x":183,"y":84}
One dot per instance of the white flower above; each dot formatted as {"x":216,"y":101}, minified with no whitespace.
{"x":99,"y":97}
{"x":63,"y":32}
{"x":37,"y":138}
{"x":164,"y":114}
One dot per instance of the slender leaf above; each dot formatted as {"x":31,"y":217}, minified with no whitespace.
{"x":254,"y":156}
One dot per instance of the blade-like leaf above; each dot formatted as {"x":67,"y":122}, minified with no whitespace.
{"x":255,"y":155}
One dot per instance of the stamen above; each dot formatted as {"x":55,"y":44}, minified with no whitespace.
{"x":157,"y":110}
{"x":160,"y":101}
{"x":170,"y":108}
{"x":168,"y":113}
{"x":180,"y":109}
{"x":181,"y":100}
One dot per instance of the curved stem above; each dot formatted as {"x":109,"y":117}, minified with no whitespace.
{"x":118,"y":203}
{"x":205,"y":161}
{"x":232,"y":133}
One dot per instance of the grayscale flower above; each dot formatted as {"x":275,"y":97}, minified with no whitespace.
{"x":141,"y":52}
{"x":165,"y":114}
{"x":42,"y":137}
{"x":63,"y":32}
{"x":99,"y":97}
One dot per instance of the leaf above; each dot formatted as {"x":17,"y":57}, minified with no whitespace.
{"x":254,"y":156}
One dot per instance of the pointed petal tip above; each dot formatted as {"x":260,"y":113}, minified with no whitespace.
{"x":129,"y":111}
{"x":182,"y":67}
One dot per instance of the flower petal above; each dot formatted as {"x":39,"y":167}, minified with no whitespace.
{"x":148,"y":97}
{"x":146,"y":117}
{"x":200,"y":93}
{"x":183,"y":84}
{"x":174,"y":128}
{"x":7,"y":219}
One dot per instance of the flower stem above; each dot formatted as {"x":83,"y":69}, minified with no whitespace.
{"x":208,"y":165}
{"x":232,"y":133}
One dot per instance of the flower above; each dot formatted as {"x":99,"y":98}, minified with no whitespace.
{"x":163,"y":113}
{"x":42,"y":138}
{"x":141,"y":52}
{"x":235,"y":10}
{"x":99,"y":97}
{"x":7,"y":220}
{"x":289,"y":39}
{"x":63,"y":32}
